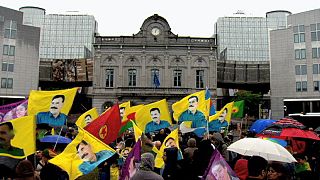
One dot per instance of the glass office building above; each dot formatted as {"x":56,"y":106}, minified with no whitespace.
{"x":63,"y":36}
{"x":245,"y":38}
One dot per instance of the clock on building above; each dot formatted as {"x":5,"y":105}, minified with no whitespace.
{"x":155,"y":31}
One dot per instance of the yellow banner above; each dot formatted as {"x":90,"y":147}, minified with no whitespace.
{"x":82,"y":155}
{"x":131,"y":110}
{"x":170,"y":141}
{"x":153,"y":117}
{"x":223,"y":114}
{"x":123,"y":107}
{"x":17,"y":137}
{"x":193,"y":107}
{"x":87,"y":117}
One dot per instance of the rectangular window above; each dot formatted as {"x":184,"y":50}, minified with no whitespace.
{"x":315,"y":68}
{"x":132,"y":75}
{"x":298,"y":86}
{"x":5,"y":50}
{"x":109,"y":77}
{"x":302,"y":37}
{"x":316,"y":85}
{"x":313,"y":36}
{"x":10,"y":67}
{"x":12,"y":50}
{"x":297,"y":67}
{"x":303,"y":69}
{"x":314,"y":53}
{"x":177,"y":75}
{"x":296,"y":38}
{"x":153,"y":73}
{"x":297,"y":54}
{"x":4,"y":66}
{"x":199,"y":78}
{"x":7,"y":83}
{"x":304,"y":86}
{"x":10,"y":29}
{"x":303,"y":53}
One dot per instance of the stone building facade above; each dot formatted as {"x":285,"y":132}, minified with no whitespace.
{"x":130,"y":67}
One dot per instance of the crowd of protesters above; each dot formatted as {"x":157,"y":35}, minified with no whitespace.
{"x":197,"y":152}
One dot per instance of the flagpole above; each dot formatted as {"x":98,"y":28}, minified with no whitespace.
{"x":57,"y":139}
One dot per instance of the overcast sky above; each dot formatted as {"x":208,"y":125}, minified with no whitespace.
{"x":186,"y":17}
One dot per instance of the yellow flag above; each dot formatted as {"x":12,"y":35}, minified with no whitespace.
{"x":171,"y":140}
{"x":137,"y":131}
{"x":20,"y":137}
{"x":131,"y":110}
{"x":193,"y":107}
{"x":153,"y":117}
{"x":51,"y":107}
{"x":82,"y":155}
{"x":87,"y":117}
{"x":123,"y":107}
{"x":225,"y":113}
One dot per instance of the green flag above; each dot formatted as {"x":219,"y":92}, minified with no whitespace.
{"x":237,"y":110}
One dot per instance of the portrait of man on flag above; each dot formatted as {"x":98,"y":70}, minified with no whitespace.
{"x":17,"y":137}
{"x":51,"y":108}
{"x":158,"y":117}
{"x":123,"y":107}
{"x":221,"y":120}
{"x":87,"y":117}
{"x":82,"y":155}
{"x":192,"y":108}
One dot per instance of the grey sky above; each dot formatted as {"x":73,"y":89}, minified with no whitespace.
{"x":185,"y":17}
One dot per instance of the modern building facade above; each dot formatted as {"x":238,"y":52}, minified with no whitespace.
{"x":63,"y":36}
{"x":245,"y":38}
{"x":20,"y":55}
{"x":295,"y":66}
{"x":126,"y":67}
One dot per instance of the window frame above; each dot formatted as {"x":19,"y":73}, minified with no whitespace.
{"x":109,"y":77}
{"x":132,"y":77}
{"x":177,"y":78}
{"x":199,"y":79}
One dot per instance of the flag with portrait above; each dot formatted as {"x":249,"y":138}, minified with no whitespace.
{"x":228,"y":109}
{"x":148,"y":114}
{"x":171,"y":141}
{"x":123,"y":108}
{"x":17,"y":137}
{"x":82,"y":155}
{"x":13,"y":110}
{"x":218,"y":168}
{"x":87,"y":117}
{"x":182,"y":106}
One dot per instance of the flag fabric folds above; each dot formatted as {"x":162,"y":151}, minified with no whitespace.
{"x":227,"y":117}
{"x":170,"y":141}
{"x":237,"y":110}
{"x":218,"y":168}
{"x":123,"y":108}
{"x":40,"y":101}
{"x":156,"y":81}
{"x":127,"y":117}
{"x":13,"y":110}
{"x":128,"y":168}
{"x":193,"y":107}
{"x":106,"y":126}
{"x":87,"y":117}
{"x":82,"y":155}
{"x":212,"y":109}
{"x":19,"y":137}
{"x":221,"y":120}
{"x":153,"y":117}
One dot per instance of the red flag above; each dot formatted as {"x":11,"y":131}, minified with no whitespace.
{"x":106,"y":126}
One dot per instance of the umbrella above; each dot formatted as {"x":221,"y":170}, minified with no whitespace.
{"x":55,"y":138}
{"x":260,"y":125}
{"x":284,"y":133}
{"x":264,"y":148}
{"x":289,"y":123}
